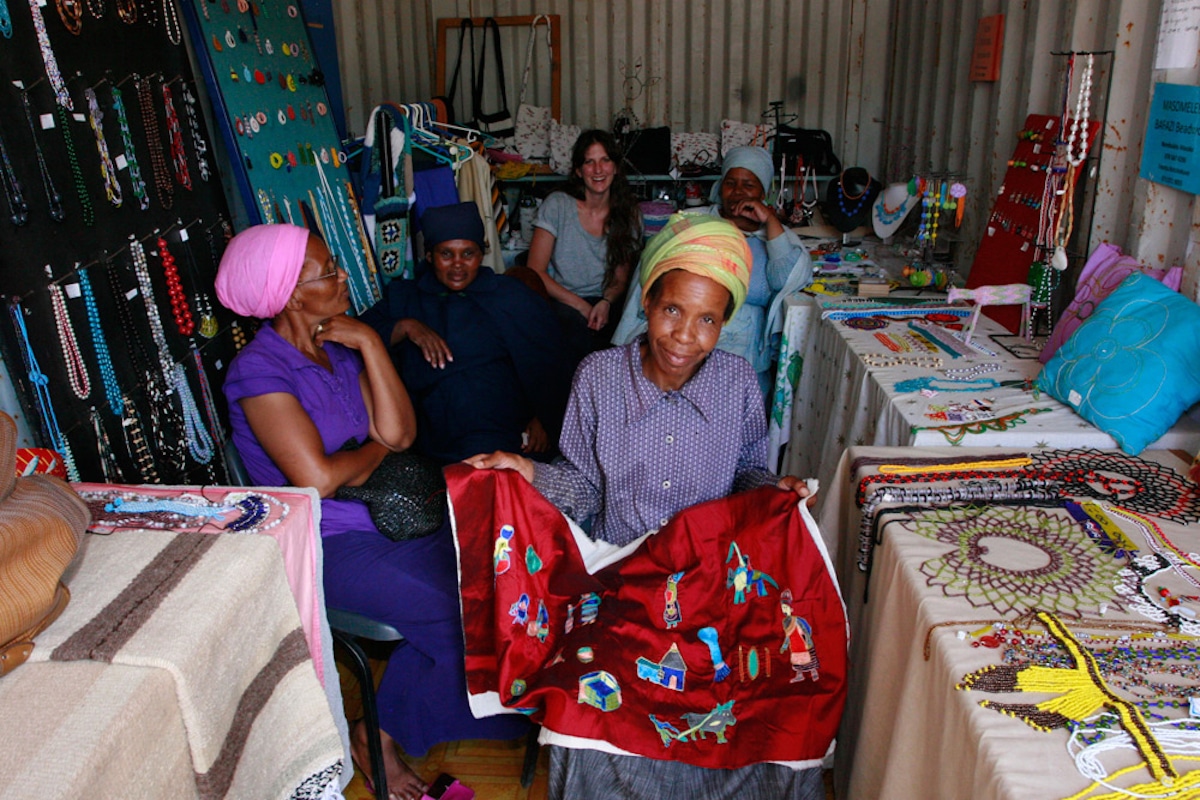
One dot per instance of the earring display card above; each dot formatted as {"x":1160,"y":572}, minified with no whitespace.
{"x":113,"y":220}
{"x":1020,"y":215}
{"x":269,"y":95}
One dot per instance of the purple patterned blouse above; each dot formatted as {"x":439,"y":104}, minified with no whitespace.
{"x":635,"y":455}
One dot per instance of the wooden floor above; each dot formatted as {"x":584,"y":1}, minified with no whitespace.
{"x":492,"y":769}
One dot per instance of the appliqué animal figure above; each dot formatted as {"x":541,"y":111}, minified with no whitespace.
{"x":743,"y":576}
{"x":501,"y":559}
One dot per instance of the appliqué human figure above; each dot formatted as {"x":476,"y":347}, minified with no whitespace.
{"x":797,"y":637}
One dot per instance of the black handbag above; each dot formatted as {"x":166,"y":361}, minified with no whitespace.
{"x":406,"y":495}
{"x":500,"y":123}
{"x":813,"y":145}
{"x":648,"y":151}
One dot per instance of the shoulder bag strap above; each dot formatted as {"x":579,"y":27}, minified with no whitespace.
{"x":490,"y":22}
{"x":529,"y":52}
{"x":452,"y":88}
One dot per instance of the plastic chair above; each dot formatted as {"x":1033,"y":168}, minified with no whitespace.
{"x":347,"y":628}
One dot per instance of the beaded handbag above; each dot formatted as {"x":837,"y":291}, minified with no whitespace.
{"x":406,"y":495}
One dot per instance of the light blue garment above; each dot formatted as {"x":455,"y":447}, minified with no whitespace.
{"x":781,"y":267}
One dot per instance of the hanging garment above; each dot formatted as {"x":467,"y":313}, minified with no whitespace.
{"x":475,"y":183}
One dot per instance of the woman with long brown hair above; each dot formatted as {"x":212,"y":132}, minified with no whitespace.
{"x":586,"y":242}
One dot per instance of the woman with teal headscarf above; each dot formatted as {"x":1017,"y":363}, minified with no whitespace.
{"x":781,"y":264}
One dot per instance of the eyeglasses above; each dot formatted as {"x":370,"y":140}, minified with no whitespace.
{"x":331,"y":274}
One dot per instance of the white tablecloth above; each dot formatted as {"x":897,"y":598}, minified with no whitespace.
{"x":907,"y":732}
{"x":840,"y":402}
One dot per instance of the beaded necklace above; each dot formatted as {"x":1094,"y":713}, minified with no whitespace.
{"x":208,"y":320}
{"x":85,"y":199}
{"x":199,"y":442}
{"x":179,"y":304}
{"x":1080,"y":124}
{"x":127,"y":11}
{"x":924,"y":362}
{"x":956,"y":433}
{"x":5,"y":20}
{"x":53,"y":198}
{"x":175,"y":133}
{"x":171,"y":22}
{"x":933,"y":382}
{"x":210,"y":405}
{"x":108,"y":375}
{"x":198,"y":143}
{"x":135,"y":172}
{"x":96,"y":8}
{"x":77,"y":374}
{"x":141,"y":268}
{"x":158,"y":162}
{"x":844,"y":195}
{"x":12,"y":187}
{"x":41,"y":388}
{"x":52,"y":73}
{"x":135,"y":442}
{"x":108,"y":462}
{"x":112,"y":187}
{"x":71,"y":14}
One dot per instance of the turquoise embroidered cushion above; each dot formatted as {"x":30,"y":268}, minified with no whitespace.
{"x":1133,"y":367}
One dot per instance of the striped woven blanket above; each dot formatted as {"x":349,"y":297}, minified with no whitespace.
{"x":214,"y":615}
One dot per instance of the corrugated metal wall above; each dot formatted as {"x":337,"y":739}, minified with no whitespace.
{"x":940,"y":121}
{"x":713,"y":59}
{"x":888,"y":78}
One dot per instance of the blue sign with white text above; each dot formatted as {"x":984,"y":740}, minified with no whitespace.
{"x":1171,"y":153}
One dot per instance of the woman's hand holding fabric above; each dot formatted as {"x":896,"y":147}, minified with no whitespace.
{"x":536,"y":440}
{"x":433,"y":347}
{"x":800,"y":487}
{"x":502,"y":460}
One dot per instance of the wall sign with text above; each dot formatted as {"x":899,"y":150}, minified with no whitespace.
{"x":1171,"y":154}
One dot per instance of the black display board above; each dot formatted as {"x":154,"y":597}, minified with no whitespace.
{"x":133,"y":424}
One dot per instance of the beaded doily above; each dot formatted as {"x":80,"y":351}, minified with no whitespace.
{"x":1143,"y":486}
{"x":1071,"y":576}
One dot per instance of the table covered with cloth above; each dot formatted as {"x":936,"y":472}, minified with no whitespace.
{"x":179,"y":669}
{"x":719,"y":641}
{"x":896,"y":376}
{"x":1027,"y":627}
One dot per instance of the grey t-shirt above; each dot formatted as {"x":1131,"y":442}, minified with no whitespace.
{"x":579,"y":258}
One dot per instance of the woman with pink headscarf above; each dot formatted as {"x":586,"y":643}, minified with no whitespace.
{"x":312,"y":381}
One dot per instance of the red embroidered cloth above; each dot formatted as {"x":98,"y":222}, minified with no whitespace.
{"x":536,"y":636}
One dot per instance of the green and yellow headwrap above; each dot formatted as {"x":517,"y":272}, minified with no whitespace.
{"x":704,"y":245}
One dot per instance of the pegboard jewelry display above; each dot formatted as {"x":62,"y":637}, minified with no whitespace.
{"x":113,"y":231}
{"x":273,"y":112}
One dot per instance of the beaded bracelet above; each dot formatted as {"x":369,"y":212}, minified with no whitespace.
{"x":924,"y":362}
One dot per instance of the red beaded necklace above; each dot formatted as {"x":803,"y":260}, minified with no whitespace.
{"x":179,"y":304}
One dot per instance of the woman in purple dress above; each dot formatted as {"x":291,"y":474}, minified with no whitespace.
{"x":313,"y":380}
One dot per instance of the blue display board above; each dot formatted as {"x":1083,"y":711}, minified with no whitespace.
{"x":1171,"y":153}
{"x":270,"y":100}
